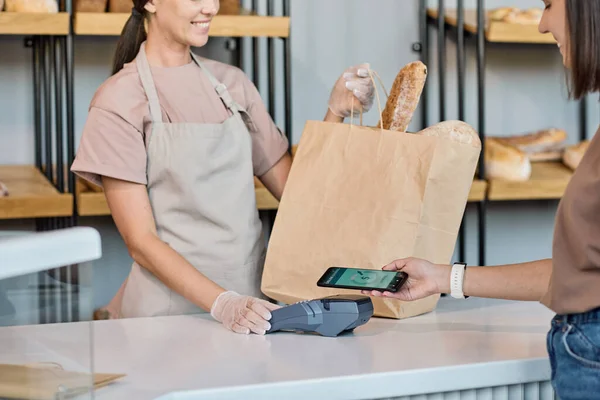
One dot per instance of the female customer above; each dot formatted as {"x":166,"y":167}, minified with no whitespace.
{"x":176,"y":142}
{"x":569,"y":283}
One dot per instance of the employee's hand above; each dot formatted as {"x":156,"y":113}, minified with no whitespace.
{"x":354,"y":86}
{"x":424,"y":279}
{"x":242,"y":314}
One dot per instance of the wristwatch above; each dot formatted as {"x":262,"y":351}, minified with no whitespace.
{"x":457,"y":279}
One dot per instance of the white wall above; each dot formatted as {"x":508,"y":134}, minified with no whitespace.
{"x":525,"y":92}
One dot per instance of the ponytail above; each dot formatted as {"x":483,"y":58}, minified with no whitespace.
{"x":132,"y":37}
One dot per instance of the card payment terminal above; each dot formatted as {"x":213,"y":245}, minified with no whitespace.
{"x":327,"y":316}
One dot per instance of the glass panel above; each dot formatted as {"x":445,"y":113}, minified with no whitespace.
{"x":46,"y":334}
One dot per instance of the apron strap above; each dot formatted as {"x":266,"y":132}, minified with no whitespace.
{"x":219,"y":87}
{"x":148,"y":83}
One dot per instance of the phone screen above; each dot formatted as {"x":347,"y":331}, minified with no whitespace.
{"x":366,"y":278}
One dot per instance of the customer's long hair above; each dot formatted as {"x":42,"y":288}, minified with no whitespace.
{"x":583,"y":25}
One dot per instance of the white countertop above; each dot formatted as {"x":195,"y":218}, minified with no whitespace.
{"x":463,"y":344}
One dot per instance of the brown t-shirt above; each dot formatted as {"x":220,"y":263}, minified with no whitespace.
{"x":575,"y":283}
{"x":118,"y":123}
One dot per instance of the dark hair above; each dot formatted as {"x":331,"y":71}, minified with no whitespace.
{"x":132,"y":36}
{"x":583,"y":25}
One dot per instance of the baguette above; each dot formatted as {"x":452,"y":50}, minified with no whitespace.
{"x":456,"y":131}
{"x":537,"y":142}
{"x":404,"y":97}
{"x":506,"y":162}
{"x":3,"y":190}
{"x":573,"y":154}
{"x":546,"y":156}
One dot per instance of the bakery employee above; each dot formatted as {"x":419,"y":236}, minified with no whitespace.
{"x":176,"y":141}
{"x":569,"y":283}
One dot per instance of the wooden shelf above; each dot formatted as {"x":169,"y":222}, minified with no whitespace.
{"x":111,"y":24}
{"x":478,"y":191}
{"x":91,"y":200}
{"x":496,"y":32}
{"x":30,"y":195}
{"x":34,"y":23}
{"x":548,"y":181}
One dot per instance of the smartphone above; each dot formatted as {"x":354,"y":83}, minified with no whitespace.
{"x":362,"y":279}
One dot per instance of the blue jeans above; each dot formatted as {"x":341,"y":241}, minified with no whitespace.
{"x":574,"y":349}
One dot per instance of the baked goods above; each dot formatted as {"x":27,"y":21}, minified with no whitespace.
{"x":96,"y":6}
{"x":503,"y":161}
{"x":499,"y":14}
{"x":32,"y":6}
{"x":404,"y":97}
{"x":546,"y":156}
{"x":456,"y":131}
{"x":230,"y":7}
{"x":513,"y":15}
{"x":543,"y":141}
{"x":573,"y":154}
{"x":119,"y":6}
{"x":3,"y":190}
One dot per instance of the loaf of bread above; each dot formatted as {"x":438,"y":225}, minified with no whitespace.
{"x":546,"y":156}
{"x":32,"y":6}
{"x":505,"y":162}
{"x":457,"y":131}
{"x":513,"y":15}
{"x":573,"y":154}
{"x":499,"y":14}
{"x":404,"y":97}
{"x":543,"y":141}
{"x":3,"y":190}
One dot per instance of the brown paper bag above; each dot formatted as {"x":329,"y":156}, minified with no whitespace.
{"x":41,"y":382}
{"x":362,"y":197}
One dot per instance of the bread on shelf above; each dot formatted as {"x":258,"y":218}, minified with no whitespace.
{"x":230,"y":7}
{"x":119,"y":6}
{"x":404,"y":97}
{"x":506,"y":162}
{"x":3,"y":190}
{"x":514,"y":15}
{"x":573,"y":154}
{"x":92,"y":6}
{"x":32,"y":6}
{"x":540,"y":144}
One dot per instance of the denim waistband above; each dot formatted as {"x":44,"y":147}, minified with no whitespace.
{"x":592,"y":316}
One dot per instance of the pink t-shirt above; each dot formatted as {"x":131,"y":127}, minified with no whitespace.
{"x":113,"y":139}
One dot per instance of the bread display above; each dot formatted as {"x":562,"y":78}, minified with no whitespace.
{"x":513,"y":15}
{"x":32,"y":6}
{"x":505,"y":162}
{"x":91,"y":5}
{"x":3,"y":190}
{"x":230,"y":7}
{"x":573,"y":154}
{"x":546,"y":141}
{"x":404,"y":97}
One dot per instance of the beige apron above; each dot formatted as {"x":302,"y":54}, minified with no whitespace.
{"x":201,"y":189}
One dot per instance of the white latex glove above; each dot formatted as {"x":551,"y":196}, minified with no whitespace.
{"x":242,"y":314}
{"x":354,"y":84}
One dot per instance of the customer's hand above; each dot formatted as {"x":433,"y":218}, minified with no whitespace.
{"x":242,"y":314}
{"x":424,"y":279}
{"x":354,"y":86}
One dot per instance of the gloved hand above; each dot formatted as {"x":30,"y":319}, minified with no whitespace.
{"x":242,"y":314}
{"x":355,"y":85}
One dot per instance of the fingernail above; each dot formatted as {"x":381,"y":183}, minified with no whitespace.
{"x":363,"y":72}
{"x":348,"y":75}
